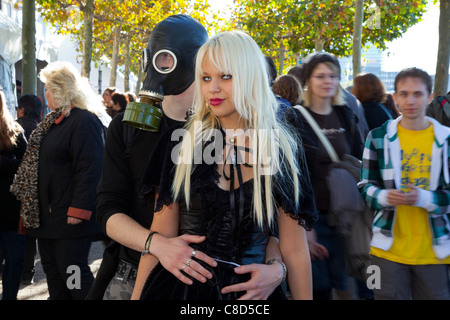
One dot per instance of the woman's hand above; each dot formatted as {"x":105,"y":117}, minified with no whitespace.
{"x":265,"y":278}
{"x":177,"y":257}
{"x":316,"y":250}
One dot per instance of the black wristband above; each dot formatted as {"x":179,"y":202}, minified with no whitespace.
{"x":147,"y":243}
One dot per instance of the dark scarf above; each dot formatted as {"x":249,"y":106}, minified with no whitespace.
{"x":25,"y":185}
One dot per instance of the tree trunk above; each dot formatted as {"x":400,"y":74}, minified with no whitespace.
{"x":443,"y":57}
{"x":115,"y":56}
{"x":139,"y":78}
{"x":126,"y":84}
{"x":29,"y":48}
{"x":318,"y":44}
{"x":357,"y":37}
{"x":281,"y":59}
{"x":88,"y":11}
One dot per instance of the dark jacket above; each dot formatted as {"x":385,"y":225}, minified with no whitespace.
{"x":28,"y":124}
{"x":127,"y":151}
{"x":70,"y":164}
{"x":376,"y":114}
{"x":436,"y":109}
{"x":126,"y":155}
{"x":310,"y":140}
{"x":9,"y":206}
{"x":355,"y":105}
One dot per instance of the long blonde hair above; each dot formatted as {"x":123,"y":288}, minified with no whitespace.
{"x":70,"y":89}
{"x":237,"y":54}
{"x":9,"y":128}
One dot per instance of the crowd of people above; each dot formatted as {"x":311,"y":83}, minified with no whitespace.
{"x":231,"y":197}
{"x":116,"y":102}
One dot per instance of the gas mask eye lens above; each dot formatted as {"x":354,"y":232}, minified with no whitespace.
{"x":144,"y":60}
{"x":164,"y":61}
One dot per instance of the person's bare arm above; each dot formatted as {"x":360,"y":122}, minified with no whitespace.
{"x":295,"y":253}
{"x":172,"y":251}
{"x":129,"y":233}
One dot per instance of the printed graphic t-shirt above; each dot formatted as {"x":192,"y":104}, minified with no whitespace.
{"x":412,"y":233}
{"x":335,"y":132}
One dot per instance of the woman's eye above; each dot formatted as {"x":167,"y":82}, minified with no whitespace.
{"x":206,"y":78}
{"x":226,"y":77}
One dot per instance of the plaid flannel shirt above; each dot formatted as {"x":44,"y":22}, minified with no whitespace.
{"x":381,"y":170}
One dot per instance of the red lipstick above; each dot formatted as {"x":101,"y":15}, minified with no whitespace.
{"x":215,"y":101}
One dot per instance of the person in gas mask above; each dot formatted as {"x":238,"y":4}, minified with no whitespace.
{"x":165,"y":98}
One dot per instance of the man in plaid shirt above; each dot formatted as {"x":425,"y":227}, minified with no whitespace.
{"x":405,"y":179}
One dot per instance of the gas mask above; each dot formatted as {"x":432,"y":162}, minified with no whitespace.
{"x":169,"y":61}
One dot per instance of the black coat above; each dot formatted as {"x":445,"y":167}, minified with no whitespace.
{"x":28,"y":124}
{"x":9,"y":206}
{"x":376,"y":114}
{"x":70,"y":162}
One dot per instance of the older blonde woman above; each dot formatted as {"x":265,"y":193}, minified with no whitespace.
{"x":234,"y":198}
{"x":57,"y":179}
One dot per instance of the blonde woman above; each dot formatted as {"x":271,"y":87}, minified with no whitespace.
{"x":236,"y":180}
{"x":57,"y":179}
{"x":324,"y":101}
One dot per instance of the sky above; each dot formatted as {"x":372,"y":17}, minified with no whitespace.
{"x":417,"y":47}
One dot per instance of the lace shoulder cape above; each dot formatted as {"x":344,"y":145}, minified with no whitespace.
{"x":160,"y":170}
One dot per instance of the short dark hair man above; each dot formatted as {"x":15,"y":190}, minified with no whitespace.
{"x":405,"y":178}
{"x":29,"y":113}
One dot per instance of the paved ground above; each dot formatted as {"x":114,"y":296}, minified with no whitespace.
{"x":38,"y":290}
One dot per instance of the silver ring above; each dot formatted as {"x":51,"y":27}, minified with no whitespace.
{"x":194,"y":253}
{"x":184,"y":267}
{"x":188,"y":262}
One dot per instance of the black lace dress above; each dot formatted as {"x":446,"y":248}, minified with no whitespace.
{"x":225,"y":217}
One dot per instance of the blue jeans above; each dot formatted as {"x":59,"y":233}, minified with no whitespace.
{"x":13,"y":247}
{"x":330,"y":272}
